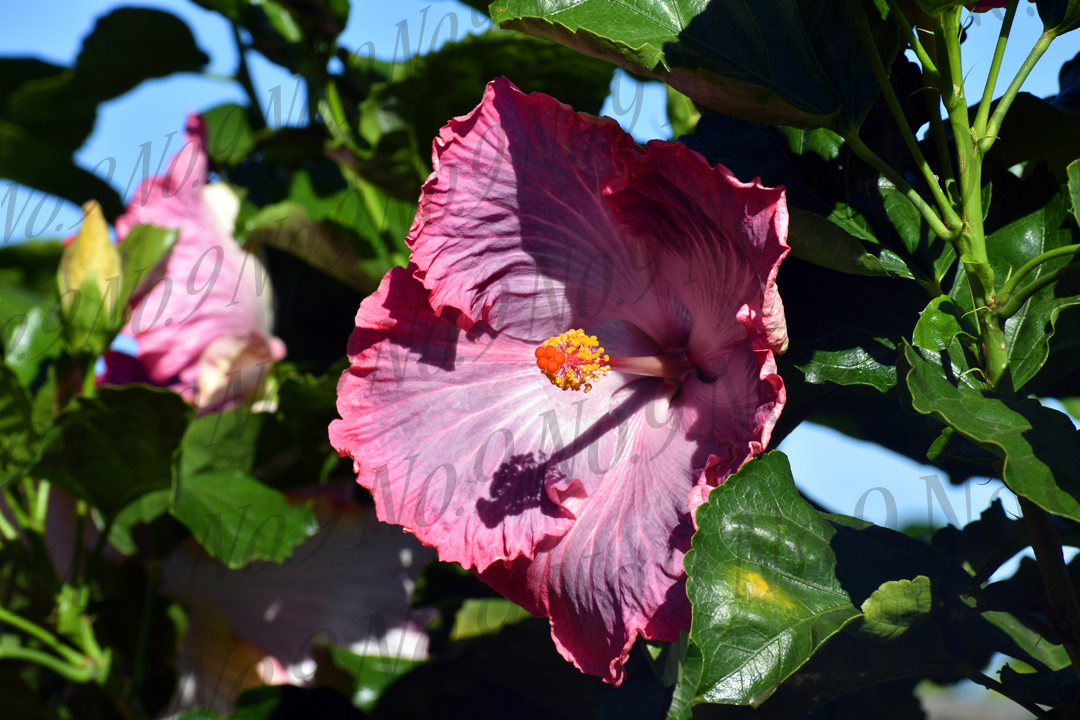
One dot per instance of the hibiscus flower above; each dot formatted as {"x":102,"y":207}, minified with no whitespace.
{"x":579,"y":350}
{"x":204,"y":328}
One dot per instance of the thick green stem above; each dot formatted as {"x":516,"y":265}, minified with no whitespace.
{"x":1010,"y":285}
{"x":41,"y":506}
{"x":862,"y":29}
{"x":995,"y":66}
{"x":987,"y":139}
{"x":859,"y":148}
{"x":1059,"y":589}
{"x":1024,"y":294}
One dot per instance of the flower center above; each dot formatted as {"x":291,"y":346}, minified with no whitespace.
{"x":574,"y":360}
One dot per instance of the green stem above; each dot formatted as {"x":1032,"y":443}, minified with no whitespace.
{"x":7,"y":529}
{"x":987,"y":139}
{"x":70,"y":654}
{"x":1010,"y":285}
{"x":1059,"y":588}
{"x":1024,"y":294}
{"x":859,"y":148}
{"x":862,"y":29}
{"x":995,"y":66}
{"x":74,"y":674}
{"x":89,"y":380}
{"x":989,"y":683}
{"x":21,"y":518}
{"x":243,"y":76}
{"x":41,"y":507}
{"x":928,"y":66}
{"x":76,"y":555}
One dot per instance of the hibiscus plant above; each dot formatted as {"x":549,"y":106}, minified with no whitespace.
{"x":446,"y":397}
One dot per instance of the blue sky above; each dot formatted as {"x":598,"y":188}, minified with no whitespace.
{"x":830,"y":467}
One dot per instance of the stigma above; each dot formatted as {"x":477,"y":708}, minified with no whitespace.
{"x":573,"y":360}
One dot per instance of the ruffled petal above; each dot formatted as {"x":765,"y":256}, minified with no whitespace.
{"x":718,"y":244}
{"x":513,"y":229}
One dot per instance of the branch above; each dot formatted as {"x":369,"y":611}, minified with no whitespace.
{"x":1024,"y":294}
{"x":994,"y":126}
{"x":995,"y":66}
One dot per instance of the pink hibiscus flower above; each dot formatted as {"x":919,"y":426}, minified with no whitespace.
{"x":651,"y":278}
{"x":204,"y":328}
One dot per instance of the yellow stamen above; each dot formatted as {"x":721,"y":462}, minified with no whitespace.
{"x":583,"y":360}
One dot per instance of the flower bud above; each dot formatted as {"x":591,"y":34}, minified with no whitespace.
{"x":90,"y":255}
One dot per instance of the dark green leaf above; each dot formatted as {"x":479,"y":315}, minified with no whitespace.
{"x":682,"y":114}
{"x":19,"y":438}
{"x":143,"y":510}
{"x":1057,"y":142}
{"x":229,"y":137}
{"x":238,"y":520}
{"x":819,"y":241}
{"x":939,"y":323}
{"x":218,"y":442}
{"x":790,"y":62}
{"x":936,"y":7}
{"x":1059,"y":16}
{"x":113,"y":448}
{"x":1033,"y":646}
{"x":1073,"y":171}
{"x":1037,"y":444}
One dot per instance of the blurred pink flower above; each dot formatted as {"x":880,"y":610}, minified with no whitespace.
{"x":539,"y":221}
{"x":205,"y":327}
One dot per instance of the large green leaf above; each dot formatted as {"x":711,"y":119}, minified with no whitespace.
{"x":143,"y":248}
{"x":770,"y":579}
{"x":822,"y":242}
{"x":238,"y":519}
{"x":789,"y":62}
{"x":115,"y":447}
{"x":221,"y":442}
{"x":1038,"y":445}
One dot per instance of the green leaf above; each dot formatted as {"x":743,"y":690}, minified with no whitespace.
{"x":483,"y":616}
{"x":48,"y":115}
{"x":936,"y":7}
{"x":770,"y":579}
{"x":115,"y":447}
{"x":229,"y":137}
{"x":1057,"y":142}
{"x":894,"y":608}
{"x":239,"y":520}
{"x":1073,"y":172}
{"x":19,"y":438}
{"x":32,"y":339}
{"x":219,"y":442}
{"x":784,"y":62}
{"x":371,"y":674}
{"x":143,"y":248}
{"x":1037,"y":444}
{"x":761,"y":579}
{"x":682,"y":114}
{"x":1059,"y":16}
{"x":819,"y":241}
{"x":939,"y":323}
{"x":1030,"y":642}
{"x":143,"y":510}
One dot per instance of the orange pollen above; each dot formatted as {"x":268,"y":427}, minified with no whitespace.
{"x":573,"y":360}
